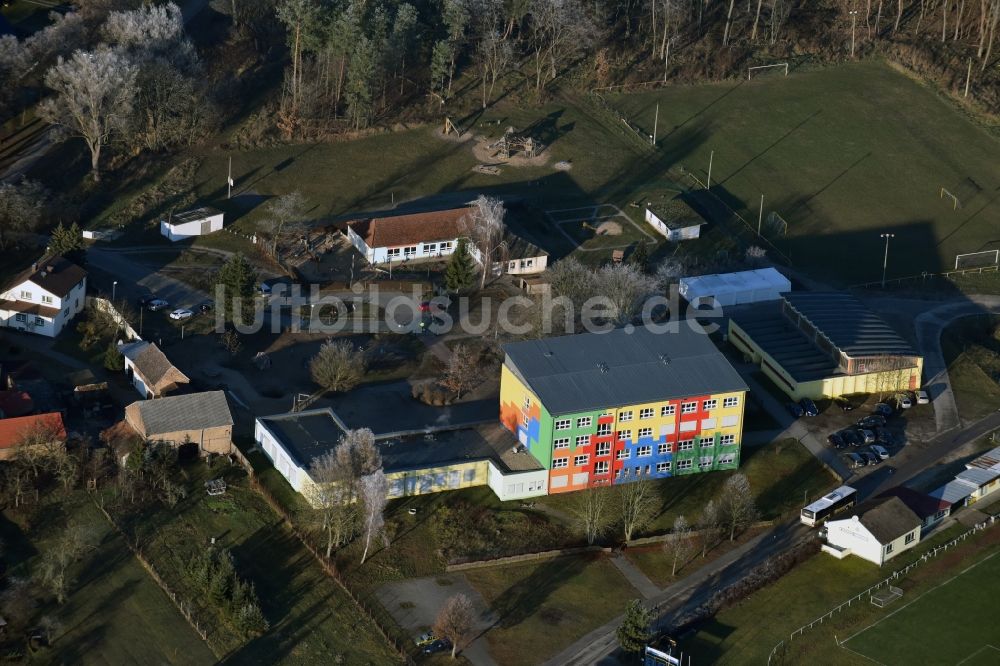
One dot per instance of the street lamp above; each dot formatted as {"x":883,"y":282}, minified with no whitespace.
{"x":114,"y":288}
{"x":885,"y":259}
{"x":854,"y":23}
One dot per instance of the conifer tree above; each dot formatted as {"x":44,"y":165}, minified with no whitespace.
{"x":460,"y":274}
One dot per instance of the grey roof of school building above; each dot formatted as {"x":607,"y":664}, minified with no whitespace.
{"x":786,"y":344}
{"x":576,"y":373}
{"x":849,"y":324}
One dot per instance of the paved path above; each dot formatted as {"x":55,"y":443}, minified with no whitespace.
{"x":43,"y":346}
{"x":634,"y":575}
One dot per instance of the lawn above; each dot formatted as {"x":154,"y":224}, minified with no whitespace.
{"x":738,"y":636}
{"x":658,"y":566}
{"x":311,"y":619}
{"x":115,"y":613}
{"x":842,"y":154}
{"x":545,"y":606}
{"x":973,"y":355}
{"x":900,"y":638}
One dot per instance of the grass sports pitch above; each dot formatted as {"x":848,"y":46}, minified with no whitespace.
{"x":952,"y":623}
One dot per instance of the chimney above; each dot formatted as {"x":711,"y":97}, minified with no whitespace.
{"x":50,"y":268}
{"x":34,"y":266}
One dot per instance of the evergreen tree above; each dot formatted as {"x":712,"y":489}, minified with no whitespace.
{"x":361,"y":77}
{"x":239,"y":280}
{"x":640,"y":256}
{"x":634,"y":634}
{"x":113,"y":359}
{"x":68,"y":242}
{"x":460,"y":274}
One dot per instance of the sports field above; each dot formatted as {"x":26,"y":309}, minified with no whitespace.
{"x":843,"y":154}
{"x":953,"y":623}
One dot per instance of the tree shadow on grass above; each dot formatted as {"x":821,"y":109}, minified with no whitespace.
{"x":526,"y":596}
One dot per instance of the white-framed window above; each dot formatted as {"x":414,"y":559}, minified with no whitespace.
{"x":39,"y":321}
{"x":20,"y":316}
{"x":46,"y":299}
{"x":689,"y":407}
{"x":583,"y":440}
{"x":625,"y":416}
{"x":710,"y":404}
{"x":527,"y":263}
{"x":561,"y":443}
{"x":409,"y":251}
{"x":623,"y":472}
{"x":706,"y":462}
{"x":685,"y":445}
{"x":527,"y":402}
{"x":910,"y":538}
{"x":624,"y":454}
{"x":683,"y":464}
{"x":726,"y":440}
{"x":563,"y":424}
{"x":646,"y":413}
{"x":430,"y":248}
{"x":727,"y":459}
{"x":603,"y":429}
{"x":524,"y":419}
{"x":667,"y":410}
{"x":602,"y":467}
{"x":644,"y":432}
{"x":662,"y":448}
{"x":624,"y":434}
{"x":662,"y":467}
{"x":731,"y":401}
{"x":393,"y":252}
{"x":584,"y":422}
{"x":580,"y":460}
{"x":644,"y":451}
{"x":25,"y":295}
{"x":559,"y":463}
{"x":602,"y":449}
{"x":888,"y":548}
{"x":704,"y":442}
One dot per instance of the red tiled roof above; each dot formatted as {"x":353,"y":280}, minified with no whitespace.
{"x":397,"y":230}
{"x":12,"y":429}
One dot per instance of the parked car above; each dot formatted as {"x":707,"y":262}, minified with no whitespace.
{"x":870,"y":458}
{"x":904,"y":402}
{"x":872,"y":421}
{"x":835,"y":440}
{"x":181,"y":313}
{"x":923,"y":398}
{"x":880,"y":451}
{"x":809,"y":407}
{"x":426,"y":638}
{"x":156,"y":304}
{"x":855,"y":460}
{"x":883,"y":409}
{"x":440,"y":645}
{"x":144,"y":300}
{"x":795,"y":409}
{"x":850,"y":437}
{"x":867,"y":436}
{"x":884,"y":436}
{"x":844,"y":404}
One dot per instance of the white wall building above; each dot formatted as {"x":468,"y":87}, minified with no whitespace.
{"x":764,"y":284}
{"x":43,"y":298}
{"x":878,"y":531}
{"x":149,"y":370}
{"x":189,"y":224}
{"x":517,"y":485}
{"x":674,"y":219}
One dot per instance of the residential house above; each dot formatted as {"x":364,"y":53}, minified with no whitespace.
{"x":602,"y":408}
{"x":930,"y":510}
{"x":395,"y":238}
{"x":42,"y":299}
{"x":200,"y":422}
{"x":150,"y":371}
{"x":13,"y":430}
{"x":879,"y":530}
{"x":191,"y":223}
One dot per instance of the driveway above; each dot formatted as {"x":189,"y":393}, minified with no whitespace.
{"x":415,"y":604}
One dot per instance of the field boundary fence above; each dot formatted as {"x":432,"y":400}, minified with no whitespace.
{"x":779,"y":649}
{"x":923,"y":277}
{"x":618,"y":119}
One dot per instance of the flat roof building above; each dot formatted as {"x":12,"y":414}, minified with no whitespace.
{"x":764,"y":284}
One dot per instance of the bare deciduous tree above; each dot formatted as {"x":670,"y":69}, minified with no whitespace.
{"x":70,"y":546}
{"x":463,"y":370}
{"x":560,"y":31}
{"x":494,"y":53}
{"x":626,"y":287}
{"x":708,"y":527}
{"x":22,"y":208}
{"x":146,"y":28}
{"x":373,"y":493}
{"x":485,"y":226}
{"x":638,"y":505}
{"x":678,"y":546}
{"x":286,"y":220}
{"x":737,"y":507}
{"x":590,"y":511}
{"x":337,"y":366}
{"x":455,"y":621}
{"x":94,"y":94}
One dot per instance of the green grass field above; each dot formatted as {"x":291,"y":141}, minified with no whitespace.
{"x":972,"y":634}
{"x":545,"y":606}
{"x":843,"y":154}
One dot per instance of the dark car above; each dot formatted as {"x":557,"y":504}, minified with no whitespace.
{"x":809,"y":407}
{"x":883,"y":409}
{"x":870,"y":458}
{"x":835,"y":440}
{"x":844,"y":404}
{"x":867,"y":436}
{"x":440,"y":645}
{"x":850,"y":437}
{"x":883,"y":436}
{"x":795,"y":410}
{"x":205,"y":307}
{"x":872,"y":421}
{"x":144,"y":300}
{"x":855,"y":460}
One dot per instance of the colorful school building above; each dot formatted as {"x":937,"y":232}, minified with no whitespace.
{"x":604,"y":408}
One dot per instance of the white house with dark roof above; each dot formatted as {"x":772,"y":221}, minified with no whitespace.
{"x":150,"y":371}
{"x":675,"y":219}
{"x":195,"y":419}
{"x":191,"y":223}
{"x":879,"y":530}
{"x":45,"y":297}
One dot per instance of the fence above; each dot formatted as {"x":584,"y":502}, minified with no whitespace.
{"x":923,"y":277}
{"x":104,"y":305}
{"x":929,"y":555}
{"x":526,"y":557}
{"x":619,"y":120}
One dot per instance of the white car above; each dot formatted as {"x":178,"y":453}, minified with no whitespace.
{"x":923,"y":398}
{"x":905,"y":402}
{"x":181,"y":313}
{"x":880,"y":451}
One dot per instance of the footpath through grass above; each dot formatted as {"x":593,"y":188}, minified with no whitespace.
{"x":842,"y":154}
{"x":543,"y":607}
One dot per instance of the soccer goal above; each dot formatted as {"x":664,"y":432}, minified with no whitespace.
{"x":776,"y":225}
{"x":977,"y":259}
{"x":755,"y":68}
{"x":884,"y":597}
{"x":955,"y":202}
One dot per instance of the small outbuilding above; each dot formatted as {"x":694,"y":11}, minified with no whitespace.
{"x":150,"y":371}
{"x":196,"y":420}
{"x":763,"y":284}
{"x":675,"y":219}
{"x":191,"y":223}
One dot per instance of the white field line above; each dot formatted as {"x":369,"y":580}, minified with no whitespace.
{"x":592,"y":218}
{"x":985,"y":647}
{"x":863,"y":656}
{"x":918,"y":598}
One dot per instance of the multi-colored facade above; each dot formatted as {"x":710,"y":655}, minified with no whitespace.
{"x":658,"y":416}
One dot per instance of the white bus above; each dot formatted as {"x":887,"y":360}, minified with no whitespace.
{"x":842,"y":498}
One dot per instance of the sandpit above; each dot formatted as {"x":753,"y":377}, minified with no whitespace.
{"x":609,"y":228}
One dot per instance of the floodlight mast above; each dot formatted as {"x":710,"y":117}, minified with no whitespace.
{"x":885,"y":259}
